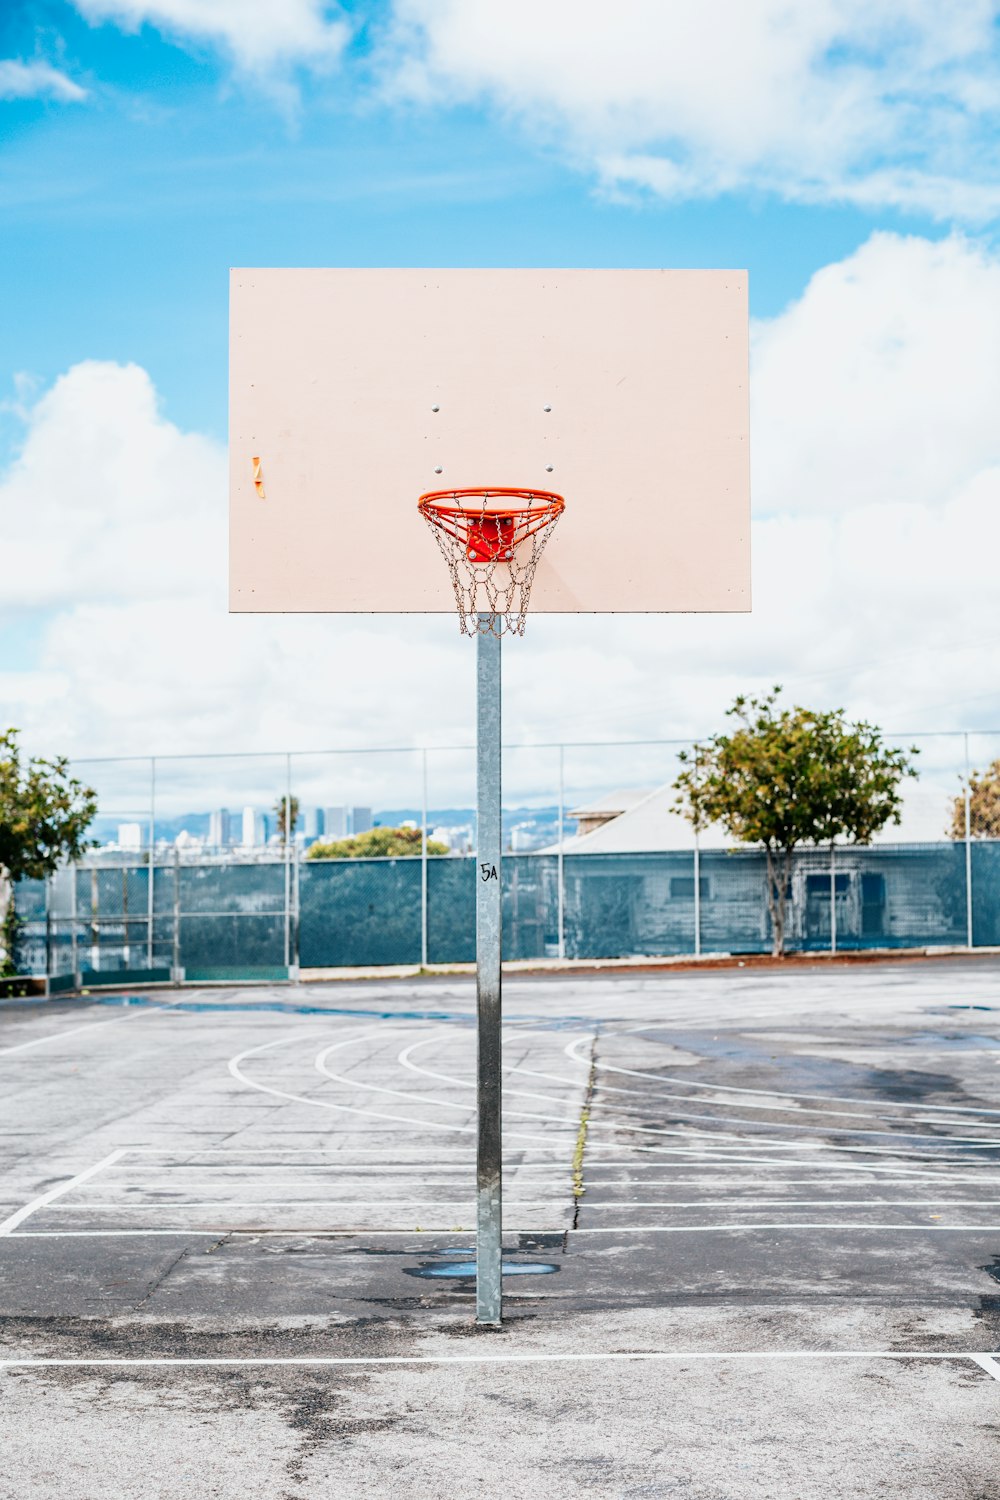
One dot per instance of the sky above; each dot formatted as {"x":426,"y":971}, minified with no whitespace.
{"x":844,"y":151}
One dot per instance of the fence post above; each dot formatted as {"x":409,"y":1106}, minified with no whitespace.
{"x":423,"y":865}
{"x":176,"y":976}
{"x":48,"y":928}
{"x":288,"y":867}
{"x":833,"y":898}
{"x":74,"y":956}
{"x":968,"y":849}
{"x":560,"y":869}
{"x":697,"y":893}
{"x":150,"y":908}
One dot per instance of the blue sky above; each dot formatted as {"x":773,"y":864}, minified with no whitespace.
{"x":845,"y":153}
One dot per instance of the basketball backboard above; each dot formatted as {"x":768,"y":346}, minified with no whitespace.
{"x":355,"y":391}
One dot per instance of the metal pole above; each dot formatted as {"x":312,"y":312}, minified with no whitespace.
{"x":288,"y":867}
{"x":176,"y":965}
{"x":489,"y":909}
{"x":697,"y":894}
{"x":968,"y":849}
{"x":150,"y":909}
{"x":48,"y":928}
{"x":74,"y":956}
{"x":423,"y":867}
{"x":560,"y":868}
{"x":833,"y":898}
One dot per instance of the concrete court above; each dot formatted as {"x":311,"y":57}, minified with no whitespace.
{"x":777,"y":1275}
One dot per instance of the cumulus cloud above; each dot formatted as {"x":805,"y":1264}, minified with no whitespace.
{"x":37,"y":80}
{"x":258,"y":34}
{"x":106,"y":494}
{"x":815,"y":100}
{"x":877,"y":492}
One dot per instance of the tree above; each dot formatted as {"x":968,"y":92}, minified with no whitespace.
{"x":984,"y":806}
{"x":44,"y":817}
{"x":790,"y":776}
{"x":377,"y":843}
{"x":281,"y":814}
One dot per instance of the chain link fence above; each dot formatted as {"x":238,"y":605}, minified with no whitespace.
{"x":609,"y":870}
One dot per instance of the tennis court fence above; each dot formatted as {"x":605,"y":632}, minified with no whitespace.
{"x":213,"y":920}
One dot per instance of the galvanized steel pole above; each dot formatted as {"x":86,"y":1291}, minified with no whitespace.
{"x":489,"y":908}
{"x":150,"y":897}
{"x":968,"y":848}
{"x":423,"y":865}
{"x":560,"y":864}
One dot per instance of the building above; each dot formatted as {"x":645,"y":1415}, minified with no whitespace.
{"x":334,"y":822}
{"x":220,"y":828}
{"x":361,"y":820}
{"x":312,"y":823}
{"x":130,"y":835}
{"x":249,"y":833}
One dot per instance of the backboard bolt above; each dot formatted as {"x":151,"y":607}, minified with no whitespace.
{"x":435,"y":408}
{"x":546,"y":408}
{"x":548,"y":468}
{"x":438,"y":469}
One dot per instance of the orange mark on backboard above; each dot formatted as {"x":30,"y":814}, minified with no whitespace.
{"x":258,"y":479}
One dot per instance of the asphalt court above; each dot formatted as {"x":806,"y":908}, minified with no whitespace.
{"x":751,"y":1230}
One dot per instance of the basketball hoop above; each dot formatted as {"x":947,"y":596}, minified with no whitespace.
{"x":479,"y":532}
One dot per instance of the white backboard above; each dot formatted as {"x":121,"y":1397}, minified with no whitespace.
{"x":354,"y":391}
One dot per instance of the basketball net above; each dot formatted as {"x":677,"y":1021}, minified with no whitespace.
{"x":491,"y":541}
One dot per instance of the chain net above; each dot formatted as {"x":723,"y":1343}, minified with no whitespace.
{"x":491,"y":548}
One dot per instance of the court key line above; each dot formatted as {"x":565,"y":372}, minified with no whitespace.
{"x":985,"y":1362}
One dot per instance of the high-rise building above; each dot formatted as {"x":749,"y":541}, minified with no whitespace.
{"x":219,"y":828}
{"x":335,"y":822}
{"x":361,"y":820}
{"x":130,"y":835}
{"x":312,"y":823}
{"x":249,"y":828}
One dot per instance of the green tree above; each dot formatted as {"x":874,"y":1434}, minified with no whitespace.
{"x":377,"y":843}
{"x":984,"y":806}
{"x":44,"y":817}
{"x":791,"y":776}
{"x":281,"y":814}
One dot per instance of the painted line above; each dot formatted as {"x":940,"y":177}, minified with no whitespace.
{"x":802,"y":1127}
{"x":359,"y":1231}
{"x":595,"y":1357}
{"x":370,"y":1114}
{"x":430,"y":1101}
{"x":988,"y":1363}
{"x":45,"y":1199}
{"x":724,"y":1088}
{"x":58,"y":1036}
{"x":744,"y":1201}
{"x":114,"y":1234}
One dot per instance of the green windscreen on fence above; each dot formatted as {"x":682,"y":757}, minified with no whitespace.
{"x":219,"y":915}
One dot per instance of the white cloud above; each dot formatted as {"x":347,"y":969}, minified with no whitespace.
{"x":37,"y":80}
{"x":259,"y":34}
{"x":817,"y":100}
{"x":877,"y":487}
{"x":882,"y":383}
{"x":106,"y":494}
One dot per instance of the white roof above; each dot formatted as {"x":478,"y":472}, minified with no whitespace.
{"x":647,"y":826}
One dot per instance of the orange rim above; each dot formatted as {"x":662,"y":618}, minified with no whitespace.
{"x":514,"y":523}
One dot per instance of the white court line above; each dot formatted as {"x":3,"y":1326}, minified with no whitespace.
{"x":371,"y":1114}
{"x":760,"y":1142}
{"x":744,"y":1201}
{"x":569,"y":1083}
{"x":594,"y":1357}
{"x":43,"y":1201}
{"x":988,"y":1363}
{"x":726,"y":1088}
{"x":433,"y":1101}
{"x":57,"y":1036}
